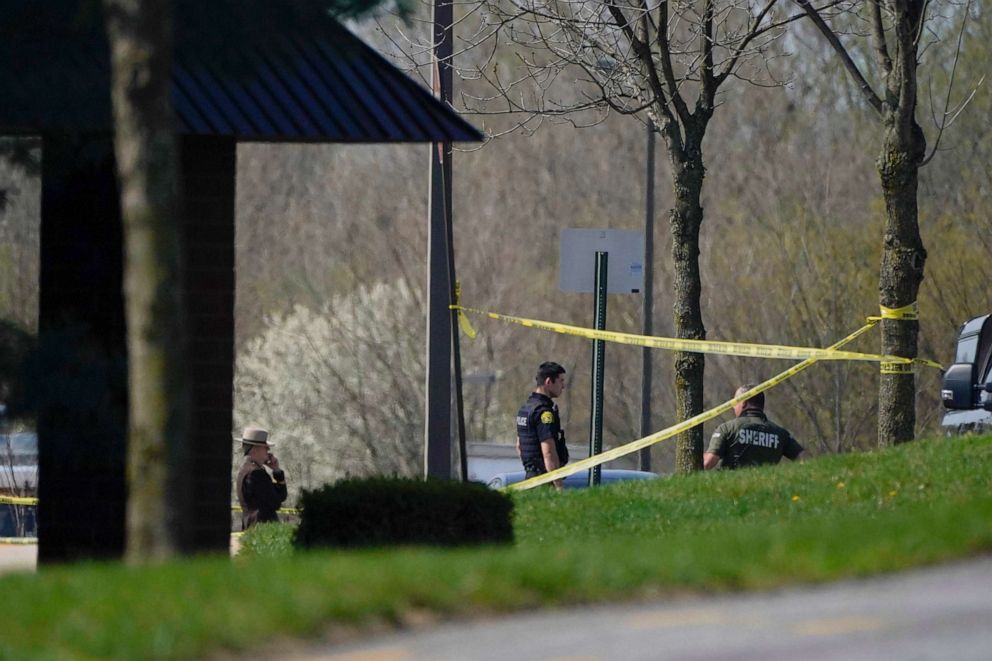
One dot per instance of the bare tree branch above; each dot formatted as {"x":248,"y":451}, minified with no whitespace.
{"x":752,"y":33}
{"x":866,"y":89}
{"x":878,"y":37}
{"x":709,"y":83}
{"x":947,"y":117}
{"x":665,"y":54}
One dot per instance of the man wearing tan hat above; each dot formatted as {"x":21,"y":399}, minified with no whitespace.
{"x":259,"y":494}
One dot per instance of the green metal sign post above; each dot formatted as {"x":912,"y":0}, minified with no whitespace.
{"x":598,"y":365}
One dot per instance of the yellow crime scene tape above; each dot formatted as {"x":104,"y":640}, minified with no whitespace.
{"x":15,"y":500}
{"x":664,"y":434}
{"x":18,"y":540}
{"x":745,"y":349}
{"x":909,"y":312}
{"x":808,"y":355}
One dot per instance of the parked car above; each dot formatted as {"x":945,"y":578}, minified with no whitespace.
{"x":578,"y":480}
{"x":966,"y":390}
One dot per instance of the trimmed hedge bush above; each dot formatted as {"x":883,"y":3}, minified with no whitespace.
{"x":384,"y":511}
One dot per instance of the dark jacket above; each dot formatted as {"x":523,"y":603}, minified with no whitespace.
{"x":258,"y":494}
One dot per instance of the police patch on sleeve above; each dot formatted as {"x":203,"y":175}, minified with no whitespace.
{"x":547,"y":417}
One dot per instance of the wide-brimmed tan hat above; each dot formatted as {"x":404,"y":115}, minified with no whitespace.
{"x":255,"y":436}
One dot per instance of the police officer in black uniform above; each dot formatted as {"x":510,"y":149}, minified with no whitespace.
{"x":750,"y":439}
{"x":540,"y":438}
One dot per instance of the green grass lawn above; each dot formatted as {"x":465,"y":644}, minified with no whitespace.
{"x":839,"y":516}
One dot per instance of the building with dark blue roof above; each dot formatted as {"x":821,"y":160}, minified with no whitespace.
{"x":247,"y":70}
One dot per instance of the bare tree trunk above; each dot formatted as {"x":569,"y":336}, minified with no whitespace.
{"x":899,"y":25}
{"x":140,"y":36}
{"x":686,"y":219}
{"x":900,"y":275}
{"x":903,"y":255}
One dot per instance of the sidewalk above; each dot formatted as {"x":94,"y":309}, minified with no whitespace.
{"x":18,"y":557}
{"x":24,"y":557}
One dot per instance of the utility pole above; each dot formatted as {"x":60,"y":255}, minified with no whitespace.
{"x":647,"y":313}
{"x":441,"y":328}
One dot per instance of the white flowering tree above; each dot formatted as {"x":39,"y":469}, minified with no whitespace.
{"x":340,"y":388}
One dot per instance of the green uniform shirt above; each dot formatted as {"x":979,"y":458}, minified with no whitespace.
{"x":751,"y":440}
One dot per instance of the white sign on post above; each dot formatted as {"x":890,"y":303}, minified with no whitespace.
{"x":577,"y":260}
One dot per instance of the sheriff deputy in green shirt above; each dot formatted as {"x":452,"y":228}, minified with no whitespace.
{"x":750,"y":439}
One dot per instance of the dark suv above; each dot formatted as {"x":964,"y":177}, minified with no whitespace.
{"x":967,"y":387}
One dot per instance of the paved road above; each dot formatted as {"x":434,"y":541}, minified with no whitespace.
{"x":937,"y":613}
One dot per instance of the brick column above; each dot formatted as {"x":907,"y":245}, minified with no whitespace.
{"x":80,"y":370}
{"x":79,"y":373}
{"x":208,"y":176}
